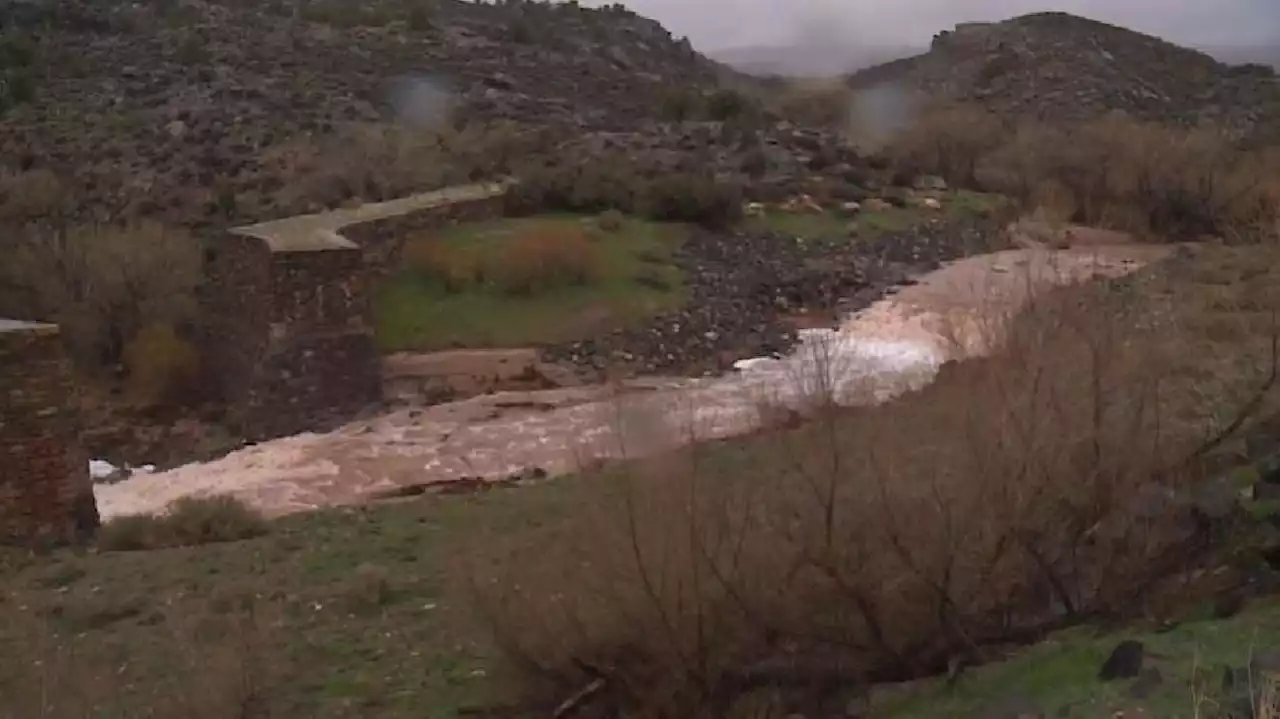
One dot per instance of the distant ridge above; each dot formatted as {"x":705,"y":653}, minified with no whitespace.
{"x":1059,"y":66}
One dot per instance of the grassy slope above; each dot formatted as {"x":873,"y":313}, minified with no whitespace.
{"x":873,"y":224}
{"x":360,"y":613}
{"x":355,"y":614}
{"x":417,"y":313}
{"x":1060,"y":675}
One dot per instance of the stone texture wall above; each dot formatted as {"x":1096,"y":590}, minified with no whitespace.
{"x":236,"y":302}
{"x":291,"y":331}
{"x":45,"y":490}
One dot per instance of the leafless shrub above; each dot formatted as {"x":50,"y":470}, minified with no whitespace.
{"x":375,"y":162}
{"x":102,"y":284}
{"x":1114,"y":171}
{"x":164,"y":369}
{"x":1020,"y":492}
{"x":949,"y":141}
{"x":816,"y":103}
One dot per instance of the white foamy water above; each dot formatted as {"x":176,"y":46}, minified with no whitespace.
{"x":893,"y":346}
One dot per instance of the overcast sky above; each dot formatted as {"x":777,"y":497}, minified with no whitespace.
{"x":719,"y":24}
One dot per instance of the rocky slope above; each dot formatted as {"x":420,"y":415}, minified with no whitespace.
{"x":196,"y":109}
{"x":1061,"y":67}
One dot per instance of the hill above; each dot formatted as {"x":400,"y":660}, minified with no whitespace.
{"x":201,"y":111}
{"x":1061,"y":67}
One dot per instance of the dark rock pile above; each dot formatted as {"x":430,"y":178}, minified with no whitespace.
{"x":744,"y":286}
{"x":1057,"y":66}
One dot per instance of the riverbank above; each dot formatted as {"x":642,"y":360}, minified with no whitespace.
{"x":370,"y":610}
{"x":894,"y":345}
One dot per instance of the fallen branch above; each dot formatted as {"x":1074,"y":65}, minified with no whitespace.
{"x":571,"y":705}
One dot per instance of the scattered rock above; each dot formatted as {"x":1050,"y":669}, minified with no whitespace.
{"x":1125,"y":661}
{"x":746,"y":286}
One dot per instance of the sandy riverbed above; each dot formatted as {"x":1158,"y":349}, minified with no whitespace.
{"x":888,"y":348}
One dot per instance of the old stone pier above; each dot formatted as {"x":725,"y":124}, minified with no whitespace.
{"x":45,"y":490}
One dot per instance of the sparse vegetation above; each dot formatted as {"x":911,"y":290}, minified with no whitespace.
{"x":375,"y":583}
{"x":546,"y":260}
{"x":188,"y":522}
{"x":618,"y":183}
{"x":1093,"y":469}
{"x":376,"y":162}
{"x":103,"y":285}
{"x":872,"y":224}
{"x":699,"y":580}
{"x":163,"y":368}
{"x":1114,"y":172}
{"x":526,"y":281}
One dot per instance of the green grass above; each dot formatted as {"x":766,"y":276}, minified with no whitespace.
{"x":872,"y":225}
{"x":417,"y":313}
{"x":359,"y":613}
{"x":1060,"y":675}
{"x":355,"y":616}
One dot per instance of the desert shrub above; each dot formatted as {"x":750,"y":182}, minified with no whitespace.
{"x":453,"y":268}
{"x":543,"y":260}
{"x":17,"y":84}
{"x":1140,"y":177}
{"x":191,"y":51}
{"x":164,"y":369}
{"x":726,"y":104}
{"x":949,"y":141}
{"x":520,"y":30}
{"x":189,"y":521}
{"x":609,"y":183}
{"x":1115,"y":171}
{"x":101,"y":284}
{"x":680,"y":105}
{"x":31,"y":195}
{"x":614,"y":182}
{"x":543,"y":186}
{"x":419,"y":17}
{"x":610,"y":220}
{"x":378,"y":162}
{"x":694,"y":198}
{"x":816,"y":103}
{"x":1015,"y":494}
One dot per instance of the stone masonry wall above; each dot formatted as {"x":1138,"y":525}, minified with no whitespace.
{"x":291,"y":331}
{"x":45,"y":490}
{"x":320,"y":364}
{"x":236,"y":306}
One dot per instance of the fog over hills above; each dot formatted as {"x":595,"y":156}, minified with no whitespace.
{"x":831,"y":36}
{"x":836,"y":59}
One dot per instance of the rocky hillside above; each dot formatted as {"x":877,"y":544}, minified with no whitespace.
{"x":1061,"y":67}
{"x":194,"y":109}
